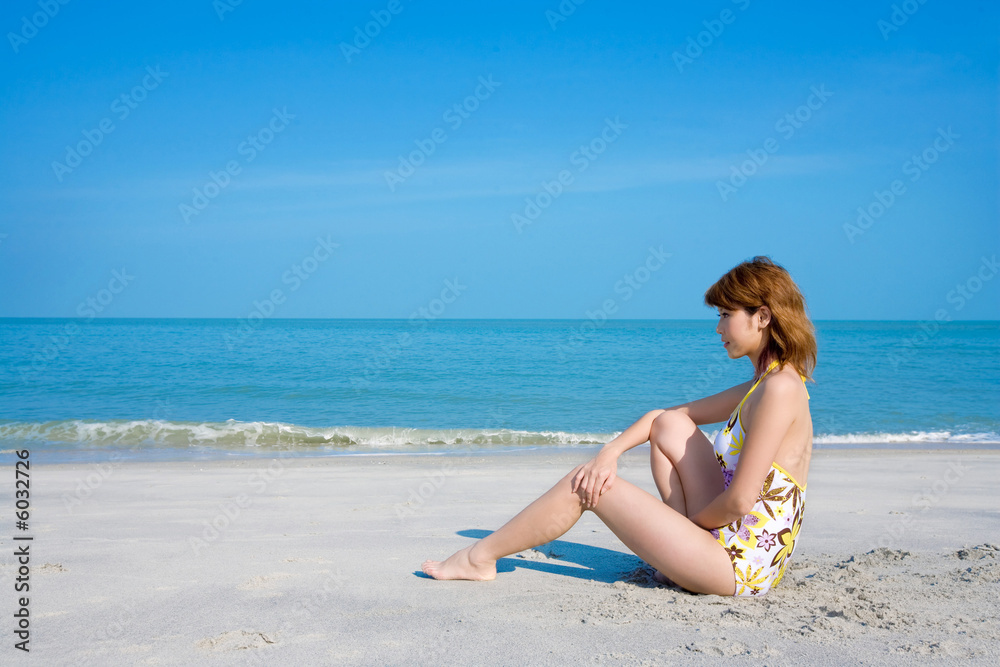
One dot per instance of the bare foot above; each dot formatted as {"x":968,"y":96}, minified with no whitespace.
{"x":460,"y":566}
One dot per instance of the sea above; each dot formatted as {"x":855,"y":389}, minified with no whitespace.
{"x":80,"y":389}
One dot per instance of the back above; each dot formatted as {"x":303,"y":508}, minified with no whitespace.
{"x":795,"y":450}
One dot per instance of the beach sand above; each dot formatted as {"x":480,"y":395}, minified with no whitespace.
{"x":317,"y":561}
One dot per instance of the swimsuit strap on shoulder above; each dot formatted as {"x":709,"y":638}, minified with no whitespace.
{"x":736,"y":412}
{"x":757,"y":381}
{"x":772,"y":365}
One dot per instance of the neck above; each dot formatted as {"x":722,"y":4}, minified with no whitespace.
{"x":757,"y":357}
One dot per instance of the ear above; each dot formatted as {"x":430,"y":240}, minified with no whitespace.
{"x":765,"y":316}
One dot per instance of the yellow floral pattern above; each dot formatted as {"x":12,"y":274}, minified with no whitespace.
{"x":760,"y":543}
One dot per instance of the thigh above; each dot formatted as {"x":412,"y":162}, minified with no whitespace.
{"x":692,"y":456}
{"x":666,"y":539}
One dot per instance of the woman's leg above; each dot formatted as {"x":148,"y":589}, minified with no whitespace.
{"x":667,"y":540}
{"x":652,"y":530}
{"x":684,"y":467}
{"x":685,"y":470}
{"x":542,"y":521}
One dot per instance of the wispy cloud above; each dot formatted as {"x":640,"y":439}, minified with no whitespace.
{"x":363,"y":183}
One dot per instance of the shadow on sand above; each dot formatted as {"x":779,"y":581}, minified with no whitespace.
{"x":581,"y":561}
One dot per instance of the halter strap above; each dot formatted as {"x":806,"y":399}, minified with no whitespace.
{"x":773,"y":364}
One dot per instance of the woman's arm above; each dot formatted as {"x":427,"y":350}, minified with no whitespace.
{"x":597,"y":475}
{"x":772,"y":417}
{"x":715,"y":408}
{"x":709,"y":410}
{"x":720,"y":512}
{"x":633,"y":436}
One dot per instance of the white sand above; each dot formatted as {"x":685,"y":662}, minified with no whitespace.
{"x":321,"y":565}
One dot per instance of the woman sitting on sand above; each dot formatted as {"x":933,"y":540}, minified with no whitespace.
{"x":730,"y":511}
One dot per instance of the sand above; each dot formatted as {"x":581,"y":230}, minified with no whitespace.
{"x":317,"y":561}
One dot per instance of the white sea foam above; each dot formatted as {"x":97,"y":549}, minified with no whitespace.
{"x":911,"y":437}
{"x":232,"y":434}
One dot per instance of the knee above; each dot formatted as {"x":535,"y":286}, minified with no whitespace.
{"x":667,"y":422}
{"x":566,"y":483}
{"x":567,"y":480}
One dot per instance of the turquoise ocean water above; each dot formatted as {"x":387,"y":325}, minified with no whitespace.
{"x":87,"y":389}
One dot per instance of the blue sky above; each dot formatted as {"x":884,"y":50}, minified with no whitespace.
{"x":632,"y":127}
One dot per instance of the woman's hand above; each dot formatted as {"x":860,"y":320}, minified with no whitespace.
{"x":596,"y":476}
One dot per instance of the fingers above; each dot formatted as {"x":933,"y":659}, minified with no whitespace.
{"x":609,"y":481}
{"x":582,"y":478}
{"x":594,"y":491}
{"x":590,"y":482}
{"x":598,"y":484}
{"x":596,"y":498}
{"x":602,"y":488}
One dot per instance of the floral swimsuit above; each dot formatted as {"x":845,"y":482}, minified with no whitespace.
{"x":761,"y":542}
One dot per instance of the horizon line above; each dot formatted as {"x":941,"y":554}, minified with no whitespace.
{"x":465,"y":319}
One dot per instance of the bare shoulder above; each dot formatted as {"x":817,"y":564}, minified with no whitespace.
{"x":795,"y":450}
{"x":783,"y":387}
{"x":785,"y":383}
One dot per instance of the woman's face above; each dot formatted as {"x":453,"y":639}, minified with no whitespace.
{"x":739,"y":331}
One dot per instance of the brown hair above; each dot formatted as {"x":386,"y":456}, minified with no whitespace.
{"x":761,"y":282}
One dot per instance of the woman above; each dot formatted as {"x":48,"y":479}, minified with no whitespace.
{"x":729,"y":513}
